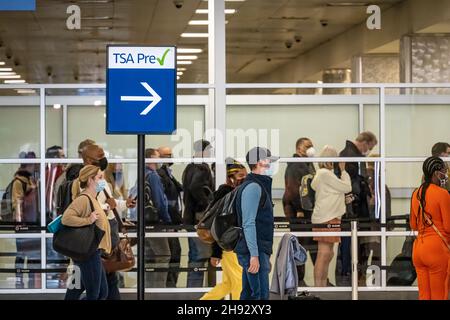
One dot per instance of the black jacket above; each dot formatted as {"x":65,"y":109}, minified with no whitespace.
{"x":172,"y":189}
{"x":292,"y":180}
{"x":360,"y":188}
{"x":198,"y":186}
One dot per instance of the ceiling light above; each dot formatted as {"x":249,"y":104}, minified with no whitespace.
{"x":184,"y":62}
{"x":179,"y":73}
{"x":97,"y":18}
{"x":205,"y":11}
{"x":14,"y":81}
{"x":5,"y":69}
{"x":178,"y":77}
{"x":94,"y":1}
{"x":198,"y":22}
{"x":189,"y":50}
{"x":187,"y":57}
{"x":181,"y":69}
{"x":2,"y":63}
{"x":56,"y":106}
{"x":194,"y":35}
{"x":231,"y":0}
{"x":7,"y":73}
{"x":15,"y":76}
{"x":97,"y":103}
{"x":97,"y":28}
{"x":25,"y":91}
{"x":347,"y":4}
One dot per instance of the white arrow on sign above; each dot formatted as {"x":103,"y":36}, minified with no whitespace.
{"x":154,"y":98}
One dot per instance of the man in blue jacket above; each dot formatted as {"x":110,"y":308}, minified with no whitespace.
{"x":255,"y":210}
{"x":157,"y":250}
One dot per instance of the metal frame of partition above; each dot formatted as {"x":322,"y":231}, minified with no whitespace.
{"x":210,"y":109}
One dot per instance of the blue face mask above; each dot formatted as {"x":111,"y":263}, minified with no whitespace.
{"x":100,"y":186}
{"x":273,"y":168}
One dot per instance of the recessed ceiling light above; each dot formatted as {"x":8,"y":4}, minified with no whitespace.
{"x":97,"y":103}
{"x":184,"y":62}
{"x":194,"y":35}
{"x":181,"y":69}
{"x":347,"y":4}
{"x":179,"y":73}
{"x":187,"y":57}
{"x":178,"y":77}
{"x":2,"y":63}
{"x":96,"y":28}
{"x":198,"y":22}
{"x":189,"y":50}
{"x":205,"y":11}
{"x":14,"y":81}
{"x":5,"y":69}
{"x":14,"y":76}
{"x":56,"y":106}
{"x":22,"y":91}
{"x":7,"y":73}
{"x":97,"y":18}
{"x":231,"y":0}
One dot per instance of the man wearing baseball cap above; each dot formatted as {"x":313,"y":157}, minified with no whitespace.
{"x":255,"y":212}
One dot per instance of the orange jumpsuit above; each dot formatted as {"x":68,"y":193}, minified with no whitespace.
{"x":431,"y":257}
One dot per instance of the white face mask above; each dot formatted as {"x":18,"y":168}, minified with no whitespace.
{"x":311,"y":152}
{"x":443,"y":179}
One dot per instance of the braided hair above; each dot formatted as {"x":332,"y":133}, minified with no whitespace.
{"x":430,"y":166}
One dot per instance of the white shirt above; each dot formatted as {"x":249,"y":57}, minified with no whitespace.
{"x":330,"y":195}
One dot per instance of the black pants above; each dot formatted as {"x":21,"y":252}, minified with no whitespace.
{"x":175,"y":258}
{"x":113,"y":289}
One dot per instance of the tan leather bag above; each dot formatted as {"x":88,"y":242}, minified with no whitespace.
{"x":121,"y":257}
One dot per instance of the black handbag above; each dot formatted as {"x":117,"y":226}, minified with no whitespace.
{"x":78,"y":243}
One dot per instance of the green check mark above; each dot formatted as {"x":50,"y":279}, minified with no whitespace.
{"x":161,"y":61}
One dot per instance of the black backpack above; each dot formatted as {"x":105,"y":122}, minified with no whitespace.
{"x":7,"y":214}
{"x":64,"y":194}
{"x":402,"y":272}
{"x":307,"y":193}
{"x":226,"y":227}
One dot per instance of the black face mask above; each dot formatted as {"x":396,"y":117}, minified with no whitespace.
{"x":102,"y":164}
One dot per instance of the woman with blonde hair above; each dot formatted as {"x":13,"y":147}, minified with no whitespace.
{"x":329,"y":208}
{"x":83,"y":211}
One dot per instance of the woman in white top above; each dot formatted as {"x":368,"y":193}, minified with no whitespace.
{"x":328,"y":209}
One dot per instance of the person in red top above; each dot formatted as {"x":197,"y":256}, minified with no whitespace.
{"x":430,"y":209}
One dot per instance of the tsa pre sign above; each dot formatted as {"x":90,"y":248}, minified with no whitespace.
{"x":141,"y":90}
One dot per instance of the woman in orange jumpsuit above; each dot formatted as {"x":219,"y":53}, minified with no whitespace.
{"x":430,"y":205}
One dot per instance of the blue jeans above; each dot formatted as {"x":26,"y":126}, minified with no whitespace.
{"x":93,"y":277}
{"x":255,"y":286}
{"x":199,"y":254}
{"x":113,"y":289}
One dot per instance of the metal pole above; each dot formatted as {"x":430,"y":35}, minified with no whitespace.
{"x":140,"y":217}
{"x":354,"y":238}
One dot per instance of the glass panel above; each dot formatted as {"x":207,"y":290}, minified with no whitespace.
{"x":19,"y":124}
{"x":416,"y":122}
{"x":21,"y":253}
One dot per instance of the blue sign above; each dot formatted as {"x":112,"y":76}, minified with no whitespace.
{"x":17,"y":5}
{"x":141,"y":90}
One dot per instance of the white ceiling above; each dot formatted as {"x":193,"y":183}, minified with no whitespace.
{"x":40,"y":44}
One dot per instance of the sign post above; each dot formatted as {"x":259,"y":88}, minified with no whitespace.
{"x":140,"y":100}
